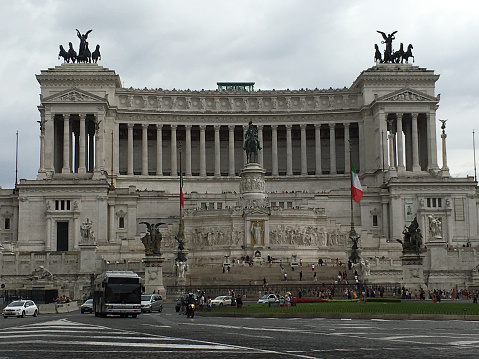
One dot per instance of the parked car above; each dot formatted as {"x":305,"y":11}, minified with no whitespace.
{"x":221,"y":300}
{"x":20,"y":308}
{"x":268,"y":298}
{"x":87,"y":306}
{"x":151,"y":303}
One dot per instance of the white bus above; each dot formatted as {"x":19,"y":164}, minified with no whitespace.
{"x":117,"y":293}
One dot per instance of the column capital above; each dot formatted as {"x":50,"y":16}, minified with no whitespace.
{"x":66,"y":116}
{"x":188,"y":127}
{"x":231,"y":127}
{"x":331,"y":125}
{"x":414,"y":115}
{"x":260,"y":127}
{"x":303,"y":126}
{"x":317,"y":126}
{"x":144,"y":125}
{"x":346,"y":124}
{"x":399,"y":116}
{"x":130,"y":125}
{"x":82,"y":116}
{"x":288,"y":127}
{"x":174,"y":126}
{"x":202,"y":127}
{"x":217,"y":128}
{"x":274,"y":127}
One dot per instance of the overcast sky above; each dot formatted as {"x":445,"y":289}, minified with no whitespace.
{"x":277,"y":44}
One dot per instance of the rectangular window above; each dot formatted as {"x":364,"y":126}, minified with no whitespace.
{"x":57,"y":205}
{"x":428,"y":202}
{"x":281,"y":204}
{"x":121,"y":222}
{"x":290,"y":204}
{"x":7,"y":223}
{"x":219,"y":205}
{"x":203,"y":205}
{"x":375,"y":220}
{"x":211,"y":205}
{"x":68,"y":205}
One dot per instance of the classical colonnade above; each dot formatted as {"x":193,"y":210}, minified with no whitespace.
{"x":289,"y":149}
{"x":411,"y":141}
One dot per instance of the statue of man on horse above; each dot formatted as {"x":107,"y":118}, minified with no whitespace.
{"x":251,"y":143}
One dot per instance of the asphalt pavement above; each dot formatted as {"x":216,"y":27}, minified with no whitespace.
{"x":169,"y":335}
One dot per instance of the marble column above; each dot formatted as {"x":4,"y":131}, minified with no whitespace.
{"x":400,"y":145}
{"x":274,"y":150}
{"x":173,"y":160}
{"x":347,"y":149}
{"x":391,"y":146}
{"x":304,"y":159}
{"x":159,"y":150}
{"x":82,"y":144}
{"x":332,"y":149}
{"x":217,"y":151}
{"x":66,"y":143}
{"x":188,"y":150}
{"x":444,"y":168}
{"x":361,"y":146}
{"x":144,"y":149}
{"x":289,"y":151}
{"x":130,"y":149}
{"x":98,"y":153}
{"x":415,"y":145}
{"x":202,"y":151}
{"x":260,"y":138}
{"x":231,"y":150}
{"x":245,"y":128}
{"x":431,"y":140}
{"x":317,"y":136}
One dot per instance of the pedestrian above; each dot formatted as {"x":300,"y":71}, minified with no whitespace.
{"x":285,"y":276}
{"x":315,"y":278}
{"x":301,"y":275}
{"x":239,"y":302}
{"x":312,"y":267}
{"x":301,"y":262}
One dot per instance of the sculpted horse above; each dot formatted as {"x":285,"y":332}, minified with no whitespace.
{"x":397,"y":55}
{"x":95,"y":56}
{"x":86,"y":55}
{"x":72,"y":54}
{"x":377,"y":54}
{"x":408,"y":54}
{"x":63,"y":53}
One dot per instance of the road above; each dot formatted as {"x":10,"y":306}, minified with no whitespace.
{"x":170,"y":335}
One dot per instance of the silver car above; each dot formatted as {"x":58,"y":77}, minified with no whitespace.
{"x":20,"y":308}
{"x":151,"y":303}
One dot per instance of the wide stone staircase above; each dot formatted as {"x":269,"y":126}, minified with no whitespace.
{"x":242,"y":274}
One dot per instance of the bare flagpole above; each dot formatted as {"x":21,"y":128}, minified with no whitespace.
{"x":16,"y":162}
{"x":474,"y":150}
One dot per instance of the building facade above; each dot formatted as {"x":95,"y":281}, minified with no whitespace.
{"x":110,"y":159}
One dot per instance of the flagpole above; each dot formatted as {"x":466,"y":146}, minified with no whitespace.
{"x":474,"y":151}
{"x":16,"y":162}
{"x":351,"y":188}
{"x":353,"y":236}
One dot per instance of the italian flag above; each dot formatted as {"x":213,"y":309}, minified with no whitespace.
{"x":356,"y":189}
{"x":182,"y":198}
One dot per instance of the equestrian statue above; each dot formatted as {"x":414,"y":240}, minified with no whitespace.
{"x":251,"y":143}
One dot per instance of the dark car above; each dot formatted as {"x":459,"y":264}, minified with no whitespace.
{"x":87,"y":307}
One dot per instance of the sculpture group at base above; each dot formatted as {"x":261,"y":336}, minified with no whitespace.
{"x":152,"y":239}
{"x":84,"y":54}
{"x":412,"y":242}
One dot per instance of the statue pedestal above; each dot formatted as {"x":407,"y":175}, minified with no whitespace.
{"x":437,"y":254}
{"x":413,"y":273}
{"x":88,"y":258}
{"x":154,"y":275}
{"x":252,"y":187}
